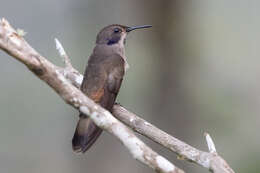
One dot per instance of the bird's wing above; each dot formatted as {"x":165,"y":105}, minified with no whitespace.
{"x":102,"y":81}
{"x":114,"y":66}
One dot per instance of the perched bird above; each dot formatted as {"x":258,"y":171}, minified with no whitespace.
{"x":102,"y":79}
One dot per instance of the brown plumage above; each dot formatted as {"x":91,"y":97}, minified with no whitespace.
{"x":102,"y":80}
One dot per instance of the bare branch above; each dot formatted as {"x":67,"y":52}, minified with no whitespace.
{"x":69,"y":72}
{"x":211,"y":161}
{"x":63,"y":54}
{"x":54,"y":76}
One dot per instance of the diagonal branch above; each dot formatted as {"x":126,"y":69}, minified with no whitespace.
{"x":211,"y":160}
{"x":14,"y":44}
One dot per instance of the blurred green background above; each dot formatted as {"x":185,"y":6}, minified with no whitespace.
{"x":197,"y":70}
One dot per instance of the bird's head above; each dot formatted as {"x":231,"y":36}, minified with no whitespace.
{"x":116,"y":34}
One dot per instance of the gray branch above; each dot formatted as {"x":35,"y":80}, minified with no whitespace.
{"x":209,"y":160}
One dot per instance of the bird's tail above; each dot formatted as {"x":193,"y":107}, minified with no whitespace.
{"x":85,"y":134}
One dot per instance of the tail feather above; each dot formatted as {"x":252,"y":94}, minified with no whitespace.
{"x":85,"y":135}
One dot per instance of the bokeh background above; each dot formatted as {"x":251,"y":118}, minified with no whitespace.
{"x":197,"y":70}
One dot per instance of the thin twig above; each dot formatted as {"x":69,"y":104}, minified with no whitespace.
{"x":69,"y":72}
{"x":63,"y":54}
{"x":211,"y":145}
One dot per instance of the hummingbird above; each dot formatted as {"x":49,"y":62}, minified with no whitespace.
{"x":102,"y":80}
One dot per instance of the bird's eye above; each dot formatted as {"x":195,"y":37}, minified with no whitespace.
{"x":117,"y":30}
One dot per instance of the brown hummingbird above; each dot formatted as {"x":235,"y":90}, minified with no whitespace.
{"x":102,"y":79}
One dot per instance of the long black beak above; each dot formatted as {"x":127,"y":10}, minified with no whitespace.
{"x":128,"y":29}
